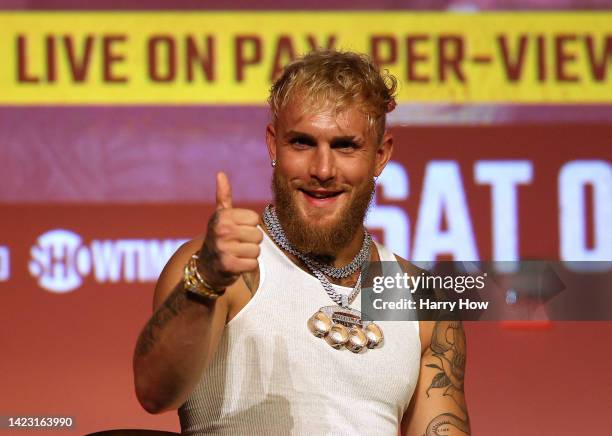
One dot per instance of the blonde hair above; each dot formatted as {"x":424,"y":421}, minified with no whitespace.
{"x":340,"y":79}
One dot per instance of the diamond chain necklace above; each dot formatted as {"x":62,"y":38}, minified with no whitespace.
{"x":321,"y":270}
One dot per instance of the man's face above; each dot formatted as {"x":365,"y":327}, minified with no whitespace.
{"x":323,"y":181}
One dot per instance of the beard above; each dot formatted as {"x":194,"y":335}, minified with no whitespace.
{"x":314,"y":237}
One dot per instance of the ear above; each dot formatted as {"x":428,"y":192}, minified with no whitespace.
{"x":271,"y":140}
{"x":383,"y":153}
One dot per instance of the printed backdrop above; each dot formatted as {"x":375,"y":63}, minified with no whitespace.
{"x":113,"y":124}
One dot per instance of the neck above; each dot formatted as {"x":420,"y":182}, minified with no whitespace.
{"x":343,"y":257}
{"x":347,"y":253}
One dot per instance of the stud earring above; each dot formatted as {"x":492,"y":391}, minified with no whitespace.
{"x":273,"y":163}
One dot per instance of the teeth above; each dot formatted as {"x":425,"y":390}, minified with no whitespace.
{"x":320,"y":195}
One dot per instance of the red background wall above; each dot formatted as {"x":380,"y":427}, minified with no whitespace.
{"x":109,"y":174}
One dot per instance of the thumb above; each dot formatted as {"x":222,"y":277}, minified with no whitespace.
{"x":224,"y":191}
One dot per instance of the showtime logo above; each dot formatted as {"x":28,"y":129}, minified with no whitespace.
{"x":60,"y":260}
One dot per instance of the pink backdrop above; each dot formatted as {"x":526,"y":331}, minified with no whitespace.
{"x":126,"y":185}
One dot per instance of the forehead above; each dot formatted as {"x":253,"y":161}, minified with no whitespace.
{"x":323,"y":119}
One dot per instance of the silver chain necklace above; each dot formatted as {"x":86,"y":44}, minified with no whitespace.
{"x":320,"y":270}
{"x":341,"y":326}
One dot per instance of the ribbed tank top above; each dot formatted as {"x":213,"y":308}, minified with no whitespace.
{"x":272,"y":376}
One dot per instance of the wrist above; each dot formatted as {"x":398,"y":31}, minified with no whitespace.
{"x":195,"y":282}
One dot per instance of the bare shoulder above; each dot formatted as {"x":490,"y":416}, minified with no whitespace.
{"x":408,"y":267}
{"x":426,"y":328}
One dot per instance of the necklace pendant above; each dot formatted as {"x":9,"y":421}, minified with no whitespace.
{"x":320,"y":324}
{"x":337,"y":336}
{"x":343,"y":327}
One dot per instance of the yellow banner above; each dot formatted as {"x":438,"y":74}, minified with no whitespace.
{"x":231,"y":57}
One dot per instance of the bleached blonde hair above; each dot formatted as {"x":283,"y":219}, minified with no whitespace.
{"x":341,"y":79}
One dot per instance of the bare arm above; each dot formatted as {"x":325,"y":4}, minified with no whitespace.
{"x":182,"y":336}
{"x":176,"y":343}
{"x":438,"y":405}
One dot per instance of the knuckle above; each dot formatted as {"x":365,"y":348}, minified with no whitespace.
{"x":222,"y":246}
{"x":234,"y":266}
{"x":223,"y":216}
{"x":253,"y":235}
{"x":231,"y":213}
{"x":222,"y":229}
{"x":253,"y":216}
{"x":247,"y":216}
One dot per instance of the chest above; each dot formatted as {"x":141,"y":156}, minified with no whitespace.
{"x":269,"y":342}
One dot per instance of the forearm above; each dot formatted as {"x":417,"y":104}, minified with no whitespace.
{"x":442,"y":409}
{"x":174,"y":348}
{"x":438,"y":405}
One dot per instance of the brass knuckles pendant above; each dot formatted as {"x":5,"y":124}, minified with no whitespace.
{"x":343,"y":327}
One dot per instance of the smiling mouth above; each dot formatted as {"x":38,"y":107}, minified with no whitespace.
{"x":321,"y":195}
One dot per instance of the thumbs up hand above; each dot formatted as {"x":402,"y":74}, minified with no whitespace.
{"x":231,"y":245}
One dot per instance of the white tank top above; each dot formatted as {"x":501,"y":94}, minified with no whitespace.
{"x":271,"y":376}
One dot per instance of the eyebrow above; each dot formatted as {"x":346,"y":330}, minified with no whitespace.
{"x":346,"y":138}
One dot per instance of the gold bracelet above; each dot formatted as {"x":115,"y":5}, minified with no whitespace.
{"x":194,"y":282}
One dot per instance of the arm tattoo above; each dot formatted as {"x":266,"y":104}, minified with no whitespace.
{"x":447,"y":424}
{"x":173,"y":305}
{"x":448,"y":347}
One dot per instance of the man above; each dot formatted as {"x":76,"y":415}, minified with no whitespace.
{"x":231,"y":341}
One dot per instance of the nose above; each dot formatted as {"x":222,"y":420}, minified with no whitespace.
{"x":322,"y":165}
